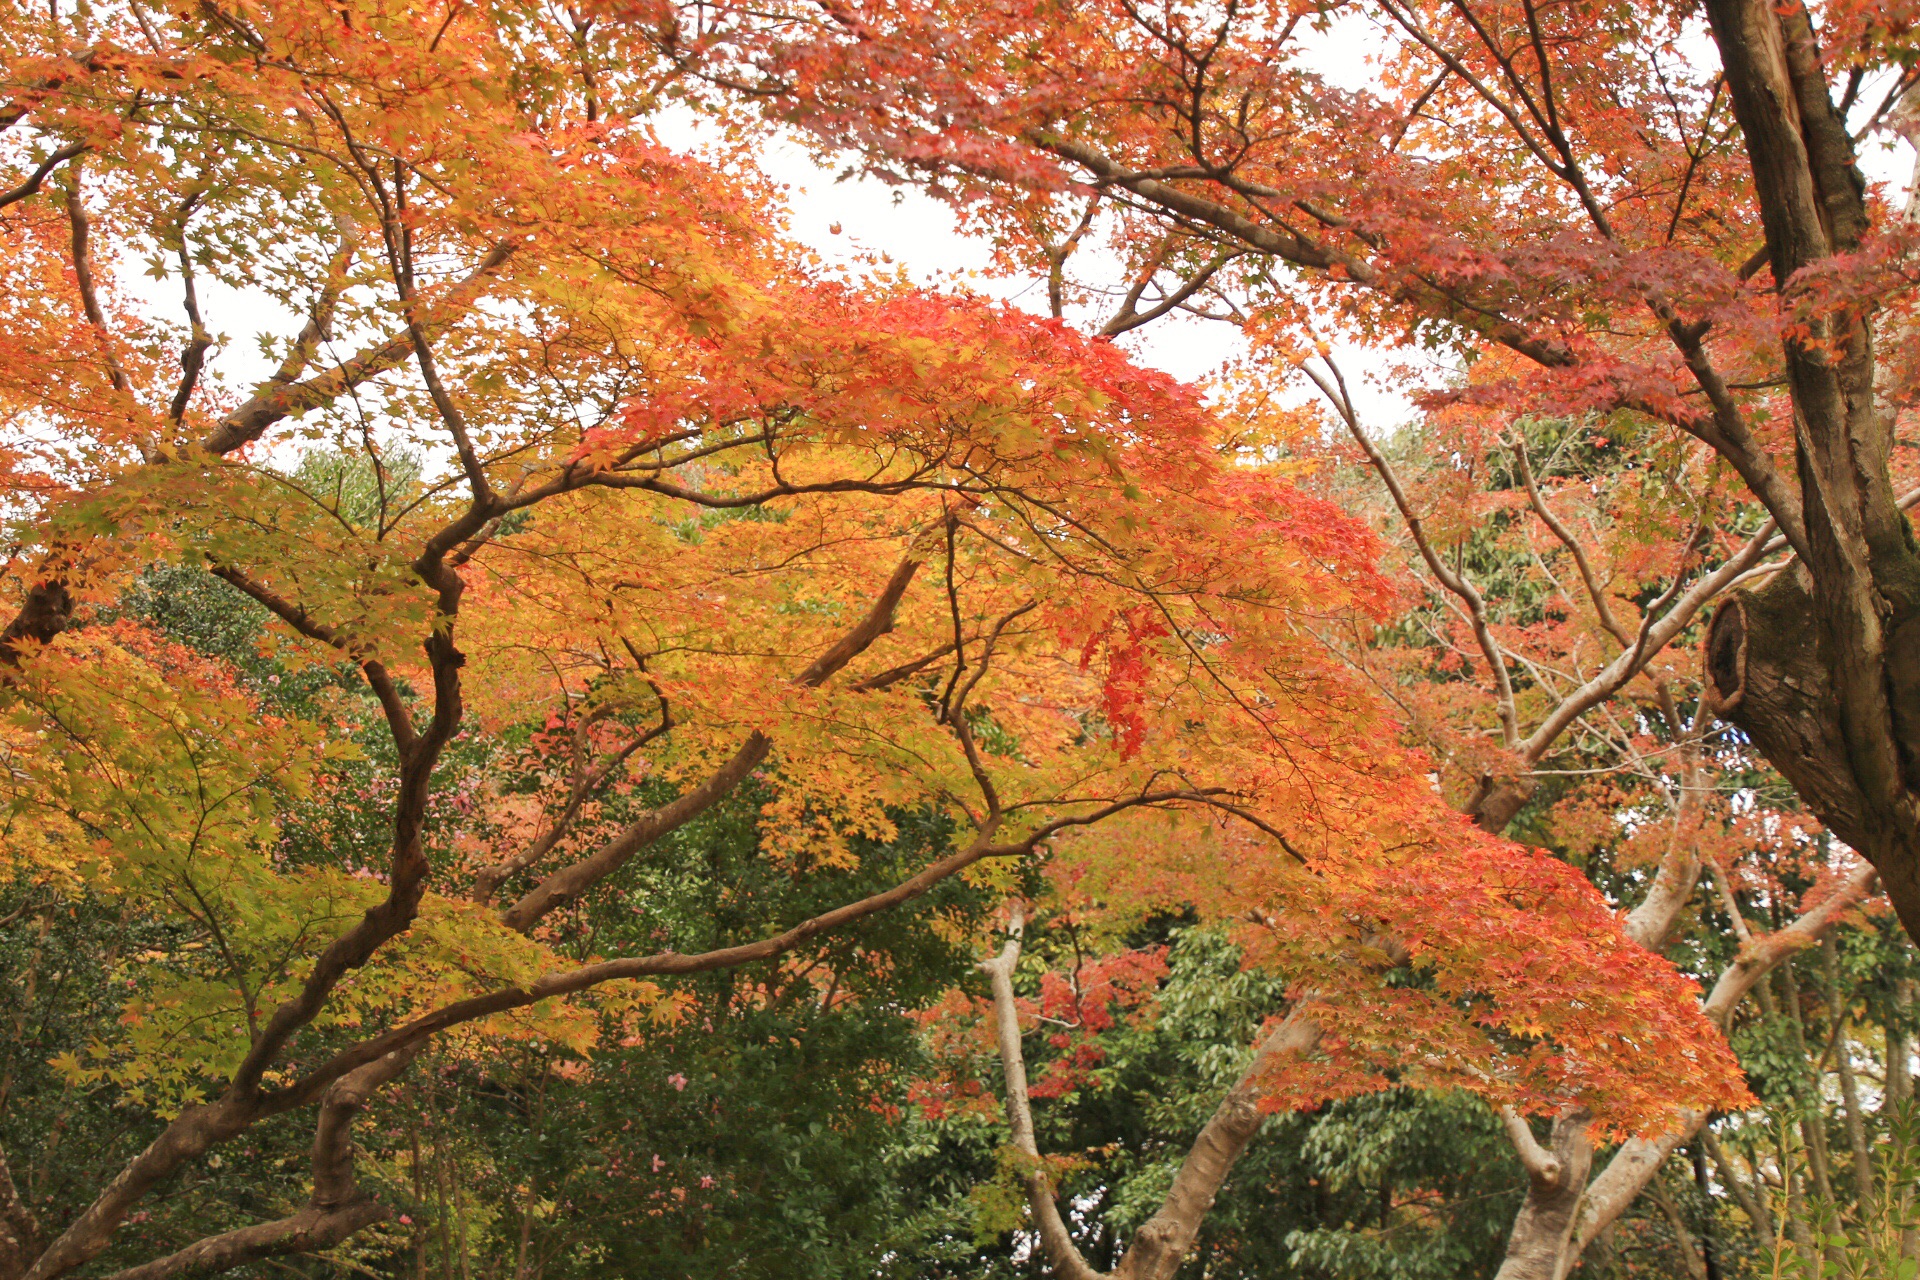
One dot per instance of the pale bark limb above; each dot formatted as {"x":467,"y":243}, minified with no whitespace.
{"x":1656,"y":632}
{"x":1161,"y":1243}
{"x":1665,"y":619}
{"x":1723,"y":884}
{"x":1537,"y":1244}
{"x":1550,"y":1235}
{"x":1906,"y":502}
{"x":1055,"y":1239}
{"x":1899,"y":1042}
{"x":1540,"y":1163}
{"x":1652,"y":922}
{"x":1559,"y":529}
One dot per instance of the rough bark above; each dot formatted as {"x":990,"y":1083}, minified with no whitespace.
{"x":1769,"y":670}
{"x":1821,"y":666}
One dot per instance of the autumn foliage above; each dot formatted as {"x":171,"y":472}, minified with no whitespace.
{"x":588,"y":503}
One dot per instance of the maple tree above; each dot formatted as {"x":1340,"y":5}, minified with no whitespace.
{"x":609,"y":507}
{"x":1649,"y":222}
{"x":1655,"y":213}
{"x":1657,"y":804}
{"x":1643,"y":788}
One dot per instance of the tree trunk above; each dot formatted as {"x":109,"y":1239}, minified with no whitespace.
{"x":1821,"y":666}
{"x":1770,"y":673}
{"x":1538,"y":1248}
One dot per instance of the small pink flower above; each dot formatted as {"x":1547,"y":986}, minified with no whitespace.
{"x":658,"y":1164}
{"x":677,"y":1080}
{"x":405,"y":1221}
{"x":706,"y":1180}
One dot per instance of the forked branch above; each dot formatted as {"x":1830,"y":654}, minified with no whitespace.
{"x":1333,"y":385}
{"x":1161,"y":1244}
{"x":336,"y":1209}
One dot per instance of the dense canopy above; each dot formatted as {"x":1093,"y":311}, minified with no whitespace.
{"x":548,"y":731}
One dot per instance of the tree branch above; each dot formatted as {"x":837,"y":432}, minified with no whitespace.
{"x":284,"y":397}
{"x":1161,"y":1243}
{"x":336,"y":1210}
{"x":570,"y":882}
{"x":1616,"y":1186}
{"x":32,"y":184}
{"x":1541,"y":1165}
{"x":1571,"y":543}
{"x":399,"y":719}
{"x":1335,"y":390}
{"x":1055,"y":1240}
{"x":89,"y":297}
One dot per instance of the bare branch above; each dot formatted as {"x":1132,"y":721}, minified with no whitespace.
{"x":19,"y":1228}
{"x":1335,"y":390}
{"x":1607,"y":1196}
{"x":1657,"y":630}
{"x":1129,"y":318}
